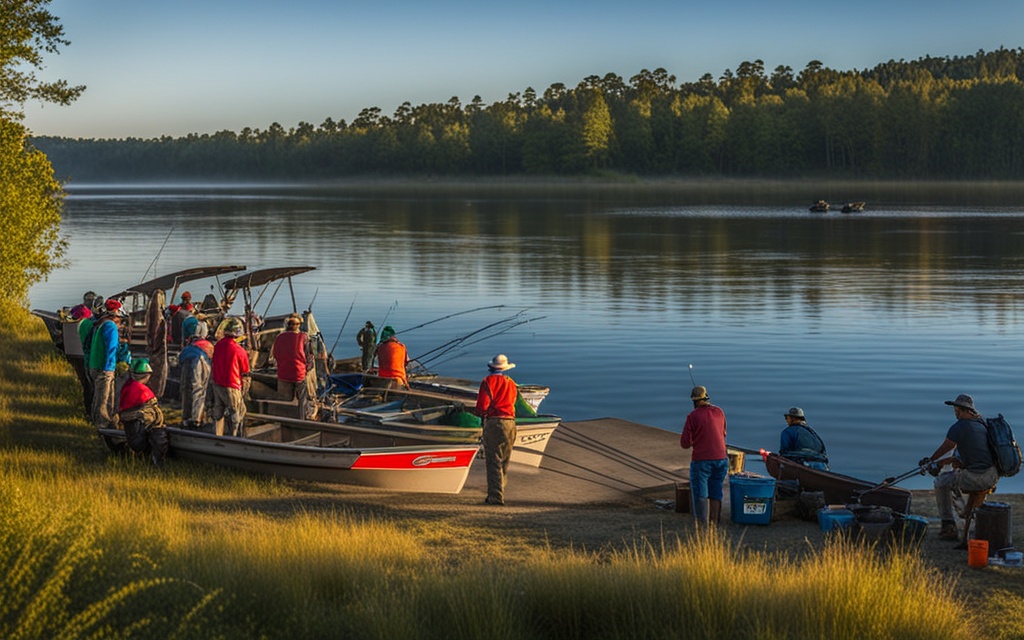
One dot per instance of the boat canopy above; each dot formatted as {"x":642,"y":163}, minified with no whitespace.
{"x":172,"y":280}
{"x":260,"y":277}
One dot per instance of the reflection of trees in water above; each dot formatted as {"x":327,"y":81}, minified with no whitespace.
{"x":756,"y":263}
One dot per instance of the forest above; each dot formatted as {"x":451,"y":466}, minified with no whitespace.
{"x":934,"y":118}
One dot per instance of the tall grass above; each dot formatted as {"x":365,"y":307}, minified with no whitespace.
{"x":95,"y":546}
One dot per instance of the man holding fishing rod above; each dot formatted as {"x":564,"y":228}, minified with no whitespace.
{"x":704,"y":431}
{"x":496,"y":406}
{"x":973,"y":466}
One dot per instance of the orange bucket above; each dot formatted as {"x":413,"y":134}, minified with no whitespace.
{"x":977,"y":553}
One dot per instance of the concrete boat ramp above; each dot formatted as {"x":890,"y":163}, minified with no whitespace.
{"x":600,"y":461}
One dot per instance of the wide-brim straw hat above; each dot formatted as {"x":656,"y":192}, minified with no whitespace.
{"x":500,"y":363}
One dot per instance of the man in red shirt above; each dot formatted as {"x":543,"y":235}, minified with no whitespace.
{"x":496,"y":406}
{"x":392,"y":357}
{"x":141,"y":415}
{"x":291,"y":354}
{"x":230,"y":366}
{"x":705,"y":432}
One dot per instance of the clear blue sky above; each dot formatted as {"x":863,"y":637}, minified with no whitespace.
{"x":201,"y":66}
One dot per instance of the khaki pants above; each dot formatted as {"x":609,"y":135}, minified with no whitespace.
{"x":499,"y":434}
{"x":951,"y":484}
{"x":228,"y":410}
{"x":103,"y":403}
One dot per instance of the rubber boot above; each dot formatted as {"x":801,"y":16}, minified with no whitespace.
{"x":948,"y":531}
{"x":714,"y":511}
{"x":700,"y":511}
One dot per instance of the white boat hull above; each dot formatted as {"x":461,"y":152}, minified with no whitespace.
{"x":441,"y":468}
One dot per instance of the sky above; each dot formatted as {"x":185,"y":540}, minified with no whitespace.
{"x":203,"y":66}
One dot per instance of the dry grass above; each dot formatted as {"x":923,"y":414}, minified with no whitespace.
{"x":109,"y":547}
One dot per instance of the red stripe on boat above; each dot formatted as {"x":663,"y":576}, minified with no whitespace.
{"x":437,"y":459}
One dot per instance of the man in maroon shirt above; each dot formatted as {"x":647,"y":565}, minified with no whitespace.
{"x":496,"y":406}
{"x":230,"y":365}
{"x":291,"y":353}
{"x":704,"y":431}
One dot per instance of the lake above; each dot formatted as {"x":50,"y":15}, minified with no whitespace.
{"x":867,"y":321}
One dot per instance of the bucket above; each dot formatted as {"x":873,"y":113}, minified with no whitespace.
{"x":873,"y":522}
{"x":977,"y":553}
{"x":751,"y":499}
{"x":736,"y":460}
{"x":682,"y":497}
{"x":992,"y":523}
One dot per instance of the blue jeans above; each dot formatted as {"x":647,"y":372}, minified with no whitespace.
{"x":707,"y":477}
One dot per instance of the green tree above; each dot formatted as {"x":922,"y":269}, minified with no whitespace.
{"x":28,"y":31}
{"x":30,"y":196}
{"x":30,"y":206}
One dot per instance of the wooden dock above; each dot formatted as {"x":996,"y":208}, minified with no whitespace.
{"x":600,"y":461}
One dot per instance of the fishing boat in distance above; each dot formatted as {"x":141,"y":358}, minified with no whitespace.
{"x":821,"y":206}
{"x":838,"y":489}
{"x":853,"y":207}
{"x":311,"y":451}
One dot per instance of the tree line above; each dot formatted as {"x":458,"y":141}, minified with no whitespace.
{"x":931,"y":118}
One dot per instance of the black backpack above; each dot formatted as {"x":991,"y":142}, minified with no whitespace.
{"x":1005,"y":451}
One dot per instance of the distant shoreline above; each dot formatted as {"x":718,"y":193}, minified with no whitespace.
{"x":649,"y":190}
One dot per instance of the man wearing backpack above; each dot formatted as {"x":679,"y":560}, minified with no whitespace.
{"x":973,"y":468}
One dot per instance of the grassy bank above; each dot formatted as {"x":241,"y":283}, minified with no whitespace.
{"x":95,"y":546}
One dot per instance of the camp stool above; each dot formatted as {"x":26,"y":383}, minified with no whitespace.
{"x":974,"y":500}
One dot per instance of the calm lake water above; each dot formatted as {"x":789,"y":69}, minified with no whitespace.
{"x":868,"y":321}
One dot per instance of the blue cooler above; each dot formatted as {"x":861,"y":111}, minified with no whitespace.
{"x":751,"y":499}
{"x":835,"y":519}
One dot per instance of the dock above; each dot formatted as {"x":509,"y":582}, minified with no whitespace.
{"x":599,"y":461}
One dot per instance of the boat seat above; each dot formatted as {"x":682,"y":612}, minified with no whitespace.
{"x":974,"y":500}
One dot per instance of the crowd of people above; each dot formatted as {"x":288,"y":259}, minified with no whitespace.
{"x":215,"y":366}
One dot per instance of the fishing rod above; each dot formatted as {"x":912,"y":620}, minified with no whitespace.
{"x":479,"y":340}
{"x":385,"y":320}
{"x":452,"y":315}
{"x":461,"y":346}
{"x":469,"y":335}
{"x":157,"y":256}
{"x":309,"y":308}
{"x":691,"y":374}
{"x":335,"y":345}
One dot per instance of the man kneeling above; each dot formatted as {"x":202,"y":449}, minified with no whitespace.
{"x":141,"y":415}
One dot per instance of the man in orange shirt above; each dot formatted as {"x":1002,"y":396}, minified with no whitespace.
{"x":392,"y":357}
{"x":496,"y":406}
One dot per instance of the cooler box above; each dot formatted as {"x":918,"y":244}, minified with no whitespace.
{"x":751,"y":499}
{"x":834,"y":519}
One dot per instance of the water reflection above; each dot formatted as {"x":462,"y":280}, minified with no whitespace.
{"x":869,"y":321}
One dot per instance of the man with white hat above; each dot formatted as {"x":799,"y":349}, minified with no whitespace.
{"x":973,"y":468}
{"x":496,"y":406}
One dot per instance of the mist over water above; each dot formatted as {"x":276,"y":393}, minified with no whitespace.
{"x":868,"y":321}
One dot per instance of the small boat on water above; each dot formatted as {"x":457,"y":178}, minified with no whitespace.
{"x":821,"y":206}
{"x":853,"y":207}
{"x":312,"y":451}
{"x":838,"y":489}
